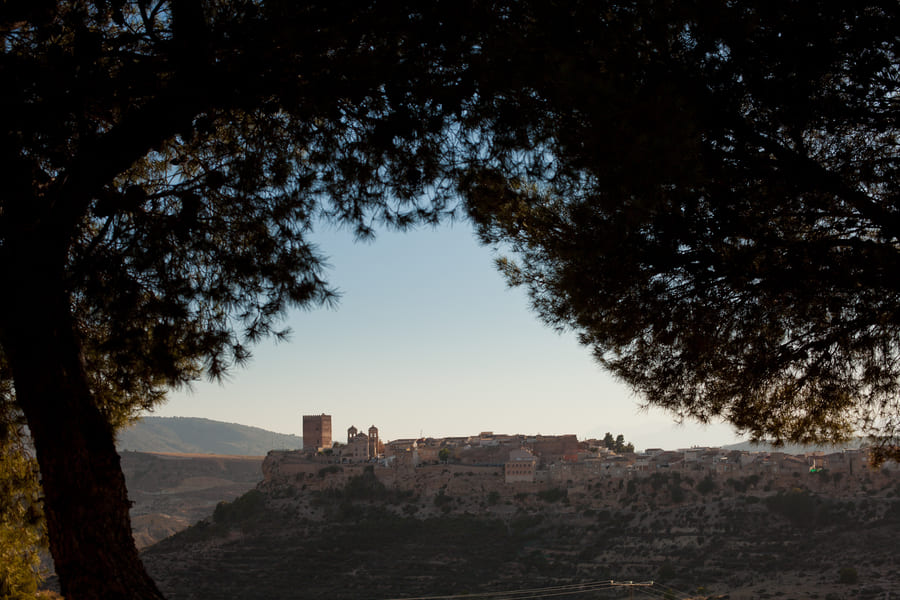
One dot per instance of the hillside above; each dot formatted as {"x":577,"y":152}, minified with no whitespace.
{"x":454,"y":529}
{"x":202,"y":436}
{"x":169,"y":492}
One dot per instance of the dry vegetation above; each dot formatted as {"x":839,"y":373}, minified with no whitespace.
{"x":345,"y":534}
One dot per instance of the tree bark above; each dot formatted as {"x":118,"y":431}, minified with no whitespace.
{"x":85,"y":498}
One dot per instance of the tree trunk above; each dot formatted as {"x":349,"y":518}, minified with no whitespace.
{"x":85,"y":499}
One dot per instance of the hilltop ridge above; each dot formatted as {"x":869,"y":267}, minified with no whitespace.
{"x":192,"y":435}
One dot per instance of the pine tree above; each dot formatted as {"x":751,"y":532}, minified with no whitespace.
{"x":718,"y":213}
{"x":165,"y":162}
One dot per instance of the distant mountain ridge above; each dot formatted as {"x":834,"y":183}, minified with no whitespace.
{"x":191,"y":435}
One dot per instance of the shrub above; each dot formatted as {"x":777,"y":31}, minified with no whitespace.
{"x":524,"y":522}
{"x":706,"y":485}
{"x":442,"y":499}
{"x":331,"y":469}
{"x":365,"y":486}
{"x":799,"y":506}
{"x":737,"y":484}
{"x":666,"y":572}
{"x":657,"y":480}
{"x":553,"y":495}
{"x":247,"y":507}
{"x":848,"y":575}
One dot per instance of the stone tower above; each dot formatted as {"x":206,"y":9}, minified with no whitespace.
{"x":316,"y":432}
{"x":373,"y":441}
{"x":351,"y":433}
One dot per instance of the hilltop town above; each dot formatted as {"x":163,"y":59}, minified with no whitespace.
{"x":545,"y":459}
{"x":499,"y":512}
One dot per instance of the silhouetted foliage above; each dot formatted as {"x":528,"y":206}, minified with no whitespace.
{"x":718,"y":213}
{"x":618,"y":444}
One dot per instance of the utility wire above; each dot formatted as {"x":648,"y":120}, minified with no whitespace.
{"x":646,"y":588}
{"x":509,"y":594}
{"x":679,"y":593}
{"x":663,"y":591}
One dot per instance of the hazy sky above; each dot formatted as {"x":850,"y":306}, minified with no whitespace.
{"x":428,"y":339}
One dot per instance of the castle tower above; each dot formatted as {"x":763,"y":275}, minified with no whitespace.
{"x":373,"y":441}
{"x":351,"y":433}
{"x":316,"y":432}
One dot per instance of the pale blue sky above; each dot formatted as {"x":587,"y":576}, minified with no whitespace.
{"x":428,"y":339}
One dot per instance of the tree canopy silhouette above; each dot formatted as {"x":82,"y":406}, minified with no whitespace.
{"x":706,"y":192}
{"x":721,"y":220}
{"x":164,"y":163}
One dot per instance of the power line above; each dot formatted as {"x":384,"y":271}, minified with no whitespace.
{"x":661,"y":591}
{"x":521,"y":593}
{"x":647,"y":588}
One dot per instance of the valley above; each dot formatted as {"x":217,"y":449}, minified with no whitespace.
{"x":169,"y":492}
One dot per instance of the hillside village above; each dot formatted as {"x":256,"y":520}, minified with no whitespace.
{"x":545,"y":459}
{"x":521,"y":510}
